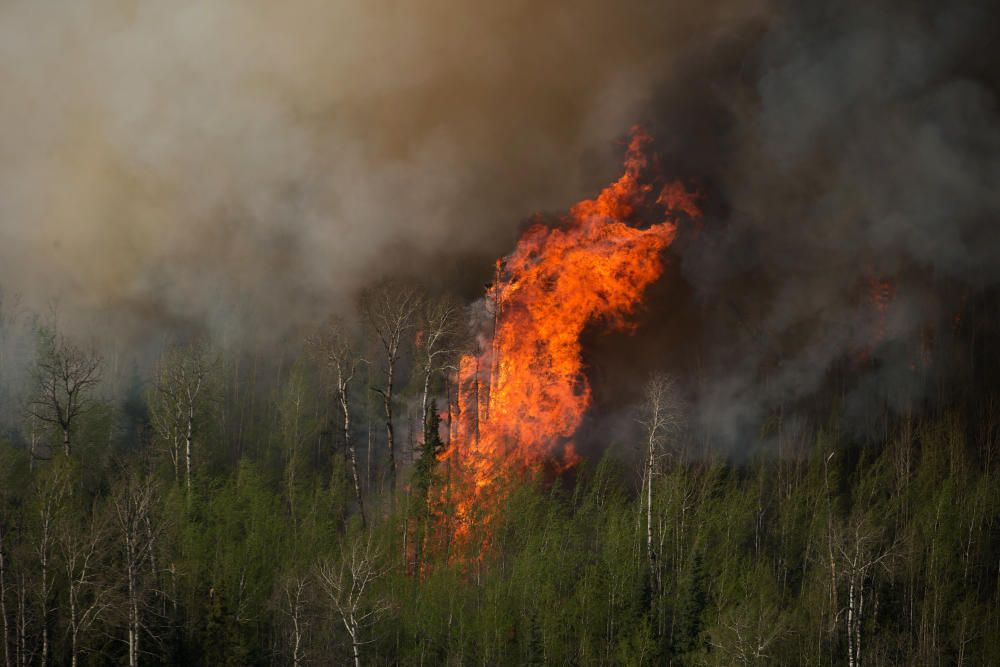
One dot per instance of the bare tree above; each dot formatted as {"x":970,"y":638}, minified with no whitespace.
{"x":662,"y":417}
{"x":65,"y":376}
{"x":390,"y":309}
{"x":437,"y":344}
{"x":134,"y":502}
{"x":348,"y":582}
{"x":183,"y":379}
{"x":863,"y":551}
{"x":88,"y":596}
{"x":51,"y":495}
{"x":334,"y":345}
{"x":294,"y":593}
{"x":745,"y":636}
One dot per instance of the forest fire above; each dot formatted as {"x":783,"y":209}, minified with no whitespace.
{"x":521,"y":398}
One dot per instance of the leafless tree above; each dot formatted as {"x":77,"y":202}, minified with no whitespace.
{"x":65,"y":377}
{"x":334,"y":344}
{"x":390,"y":309}
{"x":134,"y":503}
{"x":437,"y":343}
{"x":662,"y":418}
{"x":183,"y":379}
{"x":347,"y":583}
{"x":745,"y":637}
{"x":88,"y":595}
{"x":863,"y":550}
{"x":51,"y":492}
{"x":294,"y":594}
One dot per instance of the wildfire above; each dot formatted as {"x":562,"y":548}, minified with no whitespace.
{"x":521,"y":398}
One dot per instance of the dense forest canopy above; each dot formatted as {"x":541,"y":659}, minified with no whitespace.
{"x":337,"y":333}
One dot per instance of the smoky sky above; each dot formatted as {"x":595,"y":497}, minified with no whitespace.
{"x":249,"y":166}
{"x":170,"y":164}
{"x":853,"y":149}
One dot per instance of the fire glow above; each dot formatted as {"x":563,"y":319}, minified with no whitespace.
{"x":522,"y":396}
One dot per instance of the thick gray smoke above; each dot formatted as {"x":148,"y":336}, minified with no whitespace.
{"x":252,"y":163}
{"x":859,"y":175}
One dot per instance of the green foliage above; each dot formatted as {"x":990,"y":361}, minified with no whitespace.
{"x":755,"y":559}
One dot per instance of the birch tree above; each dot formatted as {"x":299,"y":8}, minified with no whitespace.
{"x":863,"y":552}
{"x":50,"y":493}
{"x":662,"y":418}
{"x":390,"y":309}
{"x":83,"y":549}
{"x":334,"y":345}
{"x":294,"y":590}
{"x":348,"y":583}
{"x":183,"y":385}
{"x":137,"y":526}
{"x":439,"y":329}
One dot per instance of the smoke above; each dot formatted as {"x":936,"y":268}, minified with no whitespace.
{"x":250,"y":165}
{"x":856,"y":171}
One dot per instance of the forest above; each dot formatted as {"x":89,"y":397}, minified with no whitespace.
{"x":468,"y":333}
{"x":232,"y":510}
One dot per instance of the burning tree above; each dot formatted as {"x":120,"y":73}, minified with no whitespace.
{"x":522,"y":397}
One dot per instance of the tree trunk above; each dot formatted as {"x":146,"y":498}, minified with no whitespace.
{"x":850,"y":623}
{"x":22,"y":622}
{"x":355,"y":646}
{"x":45,"y":608}
{"x":858,"y":621}
{"x":423,"y":398}
{"x":74,"y":635}
{"x":32,"y":446}
{"x":133,"y":623}
{"x":389,"y":433}
{"x":352,"y":455}
{"x":175,"y":454}
{"x":3,"y":602}
{"x":66,"y":447}
{"x":133,"y":604}
{"x":187,"y":450}
{"x":296,"y":658}
{"x":650,"y":553}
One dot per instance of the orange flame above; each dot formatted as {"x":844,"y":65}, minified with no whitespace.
{"x":521,"y":398}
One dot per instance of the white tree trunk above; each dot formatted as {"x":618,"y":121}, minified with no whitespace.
{"x":850,"y":623}
{"x":22,"y":622}
{"x":351,"y":453}
{"x":187,"y":449}
{"x":650,"y":554}
{"x":3,"y":602}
